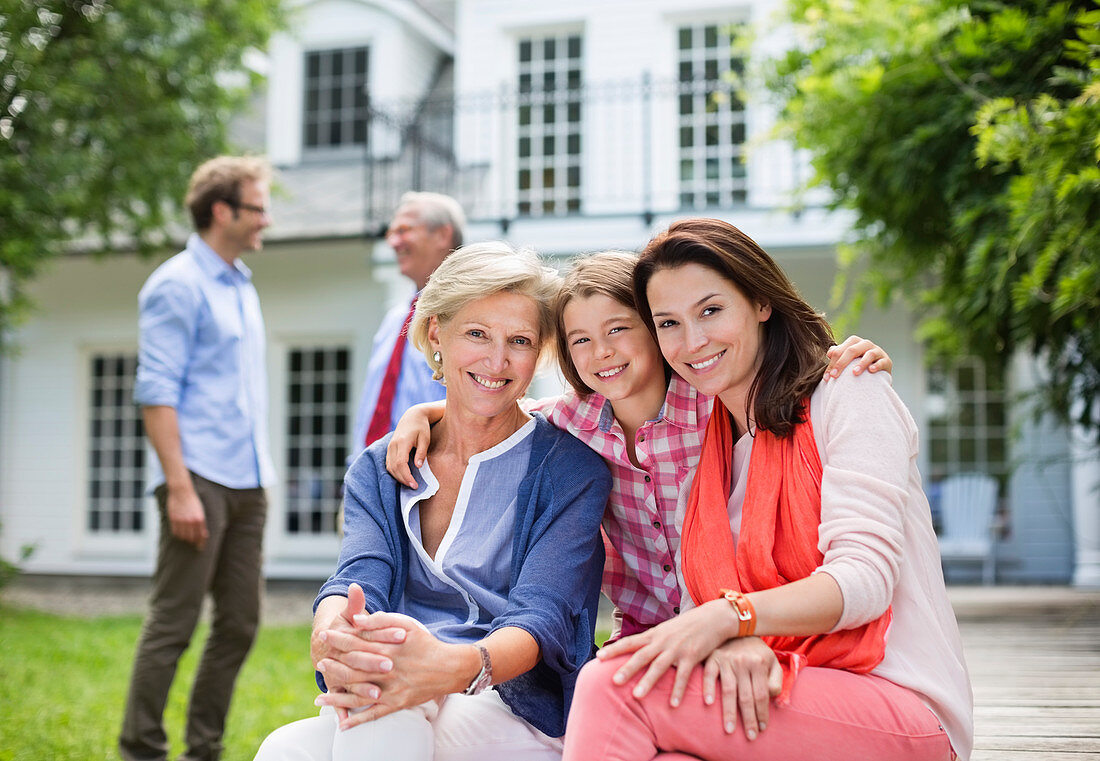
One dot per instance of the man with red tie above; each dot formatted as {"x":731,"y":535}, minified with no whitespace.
{"x":425,"y":229}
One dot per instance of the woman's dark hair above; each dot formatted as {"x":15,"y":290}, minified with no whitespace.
{"x":795,"y":336}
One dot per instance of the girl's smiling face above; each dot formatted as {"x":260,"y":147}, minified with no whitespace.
{"x":709,"y":332}
{"x":611,"y":348}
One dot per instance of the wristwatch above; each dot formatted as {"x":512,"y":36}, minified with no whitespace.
{"x":484,"y":678}
{"x":743,"y":608}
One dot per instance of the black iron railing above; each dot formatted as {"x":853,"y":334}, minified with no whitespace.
{"x":622,"y":148}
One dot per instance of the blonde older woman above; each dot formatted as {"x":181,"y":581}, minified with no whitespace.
{"x":461,"y":611}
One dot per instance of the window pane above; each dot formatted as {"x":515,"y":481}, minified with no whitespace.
{"x":116,"y":446}
{"x":335,"y":112}
{"x":969,"y":434}
{"x":317,"y":411}
{"x":549,"y":124}
{"x":711,"y":119}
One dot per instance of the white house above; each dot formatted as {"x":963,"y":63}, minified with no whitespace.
{"x":570,"y":126}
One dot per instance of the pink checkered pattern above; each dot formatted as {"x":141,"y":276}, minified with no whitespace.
{"x":640,"y":532}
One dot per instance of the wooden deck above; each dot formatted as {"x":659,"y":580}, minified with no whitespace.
{"x":1034,"y":659}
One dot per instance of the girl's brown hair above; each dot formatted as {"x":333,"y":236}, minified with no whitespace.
{"x":795,"y":336}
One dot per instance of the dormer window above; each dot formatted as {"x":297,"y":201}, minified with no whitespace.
{"x":336,"y":111}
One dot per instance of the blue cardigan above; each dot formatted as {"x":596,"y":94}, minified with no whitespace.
{"x":557,"y":560}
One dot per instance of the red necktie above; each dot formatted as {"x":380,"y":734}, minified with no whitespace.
{"x":380,"y":421}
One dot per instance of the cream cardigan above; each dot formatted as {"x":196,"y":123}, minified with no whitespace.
{"x":877,"y":538}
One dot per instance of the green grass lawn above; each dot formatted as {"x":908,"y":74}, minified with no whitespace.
{"x":63,"y":683}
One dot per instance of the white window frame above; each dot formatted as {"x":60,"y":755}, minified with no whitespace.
{"x":968,"y":430}
{"x":109,"y":544}
{"x":712,"y":171}
{"x":549,"y":152}
{"x":335,"y":416}
{"x":351,"y":85}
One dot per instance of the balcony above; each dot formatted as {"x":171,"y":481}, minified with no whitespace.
{"x":639,"y":148}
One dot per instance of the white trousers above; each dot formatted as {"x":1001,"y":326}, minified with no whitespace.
{"x":462,"y":728}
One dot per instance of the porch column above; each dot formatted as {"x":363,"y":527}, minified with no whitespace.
{"x":1086,"y":510}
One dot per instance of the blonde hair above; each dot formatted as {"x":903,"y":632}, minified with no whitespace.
{"x":219,"y":179}
{"x":478,"y":270}
{"x":606,"y":273}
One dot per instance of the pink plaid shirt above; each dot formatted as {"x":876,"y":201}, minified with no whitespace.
{"x":640,"y":533}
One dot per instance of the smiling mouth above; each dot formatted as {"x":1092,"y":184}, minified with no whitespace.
{"x":707,"y":362}
{"x":490,"y":383}
{"x":611,"y":373}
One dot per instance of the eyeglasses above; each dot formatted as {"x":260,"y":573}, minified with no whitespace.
{"x":403,"y":230}
{"x":248,"y":207}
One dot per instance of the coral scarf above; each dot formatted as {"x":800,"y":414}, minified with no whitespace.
{"x":778,"y":541}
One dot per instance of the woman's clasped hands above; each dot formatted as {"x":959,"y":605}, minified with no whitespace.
{"x":378,"y":663}
{"x":744,"y":670}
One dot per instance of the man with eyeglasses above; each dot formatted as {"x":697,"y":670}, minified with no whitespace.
{"x":425,"y":228}
{"x":202,"y":385}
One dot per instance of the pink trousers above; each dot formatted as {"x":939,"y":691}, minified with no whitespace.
{"x":833,"y":714}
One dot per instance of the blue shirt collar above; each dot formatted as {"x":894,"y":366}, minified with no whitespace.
{"x":213,"y":265}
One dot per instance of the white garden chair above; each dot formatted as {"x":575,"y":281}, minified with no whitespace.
{"x":968,"y":506}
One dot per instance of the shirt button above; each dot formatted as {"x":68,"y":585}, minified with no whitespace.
{"x":676,"y":610}
{"x":667,"y":567}
{"x":647,"y":479}
{"x":641,"y":437}
{"x":656,"y":524}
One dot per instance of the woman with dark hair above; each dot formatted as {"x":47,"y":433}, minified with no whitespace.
{"x":814,"y":605}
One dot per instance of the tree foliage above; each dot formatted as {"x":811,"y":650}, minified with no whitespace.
{"x":965,"y":137}
{"x":106,"y":107}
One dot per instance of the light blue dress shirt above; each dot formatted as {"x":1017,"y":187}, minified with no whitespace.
{"x":414,"y":385}
{"x":201,"y":350}
{"x":459,"y":592}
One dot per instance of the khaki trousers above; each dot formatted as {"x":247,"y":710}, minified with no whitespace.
{"x":229,"y":568}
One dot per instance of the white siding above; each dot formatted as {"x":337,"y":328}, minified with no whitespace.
{"x":320,"y":293}
{"x":401,"y":64}
{"x":622,"y":40}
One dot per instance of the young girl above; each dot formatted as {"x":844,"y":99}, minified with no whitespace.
{"x":810,"y":568}
{"x":644,"y":420}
